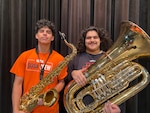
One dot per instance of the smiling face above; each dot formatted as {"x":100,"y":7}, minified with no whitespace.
{"x":92,"y":42}
{"x":44,"y":35}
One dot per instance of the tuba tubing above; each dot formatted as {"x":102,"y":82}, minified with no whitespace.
{"x":130,"y":91}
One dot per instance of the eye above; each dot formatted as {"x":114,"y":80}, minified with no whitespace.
{"x":41,"y":30}
{"x":49,"y":31}
{"x":88,"y":37}
{"x":96,"y":37}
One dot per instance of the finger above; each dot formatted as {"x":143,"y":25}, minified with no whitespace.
{"x":82,"y":80}
{"x":107,"y":107}
{"x":40,"y":101}
{"x":83,"y":69}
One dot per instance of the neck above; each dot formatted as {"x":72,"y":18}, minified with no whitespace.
{"x":43,"y":48}
{"x":93,"y":52}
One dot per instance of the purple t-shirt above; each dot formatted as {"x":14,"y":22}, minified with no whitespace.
{"x":81,"y":60}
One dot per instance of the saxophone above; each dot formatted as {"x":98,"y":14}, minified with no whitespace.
{"x":110,"y":76}
{"x":29,"y":100}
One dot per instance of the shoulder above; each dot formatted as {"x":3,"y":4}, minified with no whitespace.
{"x":28,"y":53}
{"x":80,"y":55}
{"x":25,"y":55}
{"x":57,"y":55}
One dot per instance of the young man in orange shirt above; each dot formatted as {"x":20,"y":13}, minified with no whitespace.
{"x":34,"y":64}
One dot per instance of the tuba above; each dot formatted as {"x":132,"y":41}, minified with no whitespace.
{"x":110,"y":76}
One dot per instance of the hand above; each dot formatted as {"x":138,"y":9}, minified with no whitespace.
{"x":111,"y":108}
{"x":19,"y":112}
{"x":79,"y":78}
{"x":40,"y":101}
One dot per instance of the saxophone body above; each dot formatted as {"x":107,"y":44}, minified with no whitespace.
{"x":29,"y":100}
{"x":110,"y":76}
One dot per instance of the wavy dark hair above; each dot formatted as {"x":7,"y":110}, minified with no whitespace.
{"x":106,"y":41}
{"x":42,"y":23}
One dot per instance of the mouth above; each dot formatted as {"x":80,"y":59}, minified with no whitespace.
{"x":92,"y":44}
{"x":44,"y":38}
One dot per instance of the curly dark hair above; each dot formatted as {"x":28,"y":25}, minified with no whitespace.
{"x":106,"y":41}
{"x":42,"y":23}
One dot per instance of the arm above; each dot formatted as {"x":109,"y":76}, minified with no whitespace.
{"x":16,"y":93}
{"x":75,"y":73}
{"x":60,"y":85}
{"x":78,"y":76}
{"x":111,"y":108}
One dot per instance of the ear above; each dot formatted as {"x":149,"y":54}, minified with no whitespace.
{"x":52,"y":39}
{"x":36,"y":36}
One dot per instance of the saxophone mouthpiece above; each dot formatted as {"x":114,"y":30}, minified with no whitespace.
{"x":63,"y":36}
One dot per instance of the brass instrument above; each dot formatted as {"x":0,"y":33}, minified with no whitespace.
{"x":29,"y":100}
{"x":109,"y":77}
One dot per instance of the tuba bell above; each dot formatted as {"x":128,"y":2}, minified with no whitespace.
{"x":110,"y":76}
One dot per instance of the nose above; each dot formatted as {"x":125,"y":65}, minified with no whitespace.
{"x":45,"y":33}
{"x":92,"y":38}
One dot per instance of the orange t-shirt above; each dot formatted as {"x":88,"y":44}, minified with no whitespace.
{"x":28,"y":66}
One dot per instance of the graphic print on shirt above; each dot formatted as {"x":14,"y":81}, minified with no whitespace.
{"x":36,"y":65}
{"x":88,"y":64}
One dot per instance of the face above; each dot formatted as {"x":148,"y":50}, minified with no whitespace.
{"x":92,"y":42}
{"x":44,"y":35}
